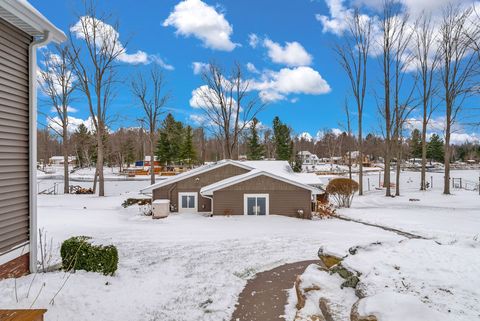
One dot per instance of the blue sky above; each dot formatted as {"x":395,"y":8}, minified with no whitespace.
{"x":310,"y":107}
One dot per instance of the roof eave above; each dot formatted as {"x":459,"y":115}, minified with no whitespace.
{"x":33,"y":18}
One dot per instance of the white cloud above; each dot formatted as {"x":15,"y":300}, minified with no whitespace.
{"x":198,"y":119}
{"x":305,"y":136}
{"x":337,"y":22}
{"x":292,"y":54}
{"x":251,"y":68}
{"x":199,"y":67}
{"x":196,"y":18}
{"x":275,"y":86}
{"x":460,"y":138}
{"x":73,"y":123}
{"x":107,"y":38}
{"x":321,"y":133}
{"x":70,"y":109}
{"x":253,"y":40}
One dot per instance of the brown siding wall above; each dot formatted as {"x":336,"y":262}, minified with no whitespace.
{"x":14,"y":139}
{"x":15,"y":268}
{"x":191,"y":184}
{"x":285,"y":199}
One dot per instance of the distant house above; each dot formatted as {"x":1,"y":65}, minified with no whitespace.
{"x":310,"y":161}
{"x":22,"y":30}
{"x":240,"y":188}
{"x":59,"y":160}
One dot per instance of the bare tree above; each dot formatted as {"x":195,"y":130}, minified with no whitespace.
{"x":349,"y":136}
{"x":152,"y":98}
{"x":456,"y":70}
{"x":225,"y":102}
{"x":95,"y":69}
{"x":353,"y":57}
{"x":403,"y":99}
{"x":58,"y":82}
{"x":427,"y":58}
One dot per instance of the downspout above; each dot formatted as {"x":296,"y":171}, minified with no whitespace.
{"x":32,"y":102}
{"x":211,"y":199}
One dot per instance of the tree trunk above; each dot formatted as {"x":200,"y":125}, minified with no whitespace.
{"x":152,"y":157}
{"x":65,"y":160}
{"x":423,"y":174}
{"x":100,"y":155}
{"x":360,"y":155}
{"x":398,"y":167}
{"x":446,"y":183}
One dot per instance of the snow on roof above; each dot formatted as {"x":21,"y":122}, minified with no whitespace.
{"x":275,"y":167}
{"x":209,"y":189}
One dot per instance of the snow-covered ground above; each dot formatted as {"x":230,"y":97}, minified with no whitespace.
{"x":191,"y":267}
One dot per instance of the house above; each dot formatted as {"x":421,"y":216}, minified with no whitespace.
{"x":309,"y":161}
{"x":22,"y":30}
{"x":59,"y":160}
{"x":232,"y":187}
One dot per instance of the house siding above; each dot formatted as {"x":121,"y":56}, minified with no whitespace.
{"x":14,"y":145}
{"x":195,"y":183}
{"x":284,"y":198}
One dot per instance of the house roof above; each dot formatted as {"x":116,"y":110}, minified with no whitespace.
{"x":209,"y":189}
{"x":190,"y":173}
{"x":24,"y":16}
{"x":277,"y":168}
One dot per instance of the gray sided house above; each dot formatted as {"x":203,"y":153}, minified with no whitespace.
{"x":22,"y":30}
{"x":240,"y":188}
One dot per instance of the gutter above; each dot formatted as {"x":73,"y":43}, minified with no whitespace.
{"x":32,"y":102}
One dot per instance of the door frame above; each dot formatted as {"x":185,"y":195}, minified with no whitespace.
{"x":267,"y":203}
{"x":187,"y":210}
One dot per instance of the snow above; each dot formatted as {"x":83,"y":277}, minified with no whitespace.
{"x":391,"y":306}
{"x":340,"y":300}
{"x":192,"y":267}
{"x":169,"y":269}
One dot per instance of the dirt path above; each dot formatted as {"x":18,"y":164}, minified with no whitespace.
{"x":399,"y":232}
{"x":265,"y":296}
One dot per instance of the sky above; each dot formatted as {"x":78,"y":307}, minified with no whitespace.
{"x":284,"y":46}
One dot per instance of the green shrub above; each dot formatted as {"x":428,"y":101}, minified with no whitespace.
{"x":342,"y":191}
{"x":79,"y":254}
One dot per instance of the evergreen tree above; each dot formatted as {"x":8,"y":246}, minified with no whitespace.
{"x":128,"y":151}
{"x":255,"y":149}
{"x":297,"y":165}
{"x":187,"y":151}
{"x":283,"y":141}
{"x":435,"y":148}
{"x":170,"y":141}
{"x":163,"y":149}
{"x":415,"y":144}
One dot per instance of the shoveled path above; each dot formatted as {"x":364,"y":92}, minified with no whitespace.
{"x":265,"y":296}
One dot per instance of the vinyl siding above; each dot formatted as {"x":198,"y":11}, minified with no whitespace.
{"x":284,"y":198}
{"x":195,"y":183}
{"x":14,"y":137}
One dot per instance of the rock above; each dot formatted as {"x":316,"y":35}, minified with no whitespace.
{"x":340,"y":270}
{"x":329,"y":260}
{"x":325,"y":308}
{"x":350,"y":282}
{"x":300,"y":296}
{"x":355,"y":316}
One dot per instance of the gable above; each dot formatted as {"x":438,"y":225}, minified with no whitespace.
{"x":262,"y":183}
{"x":212,"y":176}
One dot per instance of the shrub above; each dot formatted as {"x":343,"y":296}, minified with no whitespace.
{"x":342,"y":191}
{"x":79,"y":254}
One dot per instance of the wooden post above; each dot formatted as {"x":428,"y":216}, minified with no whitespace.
{"x":431,"y":182}
{"x":380,"y":179}
{"x":368,"y":179}
{"x":460,"y":183}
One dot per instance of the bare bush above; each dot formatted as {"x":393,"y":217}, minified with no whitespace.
{"x":342,"y":191}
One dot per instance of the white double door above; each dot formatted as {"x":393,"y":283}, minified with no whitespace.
{"x":256,"y":204}
{"x":187,"y":202}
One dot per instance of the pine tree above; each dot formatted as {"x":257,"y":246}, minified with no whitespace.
{"x":282,"y":140}
{"x":415,"y":144}
{"x":297,"y":165}
{"x":170,"y":140}
{"x":163,"y":149}
{"x":187,"y":153}
{"x":255,"y":149}
{"x":435,"y":148}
